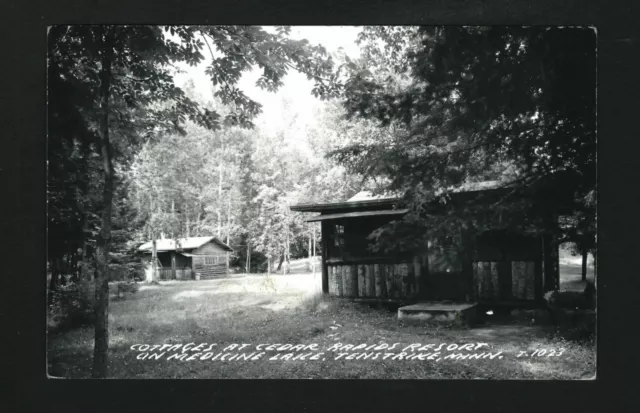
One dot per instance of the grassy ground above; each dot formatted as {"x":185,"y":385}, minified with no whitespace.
{"x":256,"y":309}
{"x":571,"y":271}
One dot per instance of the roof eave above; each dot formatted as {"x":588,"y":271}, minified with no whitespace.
{"x":343,"y":205}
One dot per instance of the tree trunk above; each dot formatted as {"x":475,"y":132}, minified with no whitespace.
{"x":173,"y":217}
{"x":310,"y":262}
{"x":229,"y":219}
{"x":248,"y":266}
{"x":61,"y":280}
{"x":585,"y":254}
{"x":281,"y":261}
{"x":101,"y":342}
{"x":219,"y":202}
{"x":53,"y":283}
{"x":84,"y":274}
{"x":154,"y":259}
{"x":74,"y":266}
{"x":595,"y":267}
{"x":313,"y":263}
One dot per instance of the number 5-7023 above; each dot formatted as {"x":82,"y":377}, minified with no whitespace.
{"x":541,"y":352}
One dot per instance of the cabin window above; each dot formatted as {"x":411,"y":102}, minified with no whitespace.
{"x":210,"y":260}
{"x":338,"y":236}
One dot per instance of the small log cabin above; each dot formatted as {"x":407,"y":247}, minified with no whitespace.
{"x":184,"y":258}
{"x":494,"y":267}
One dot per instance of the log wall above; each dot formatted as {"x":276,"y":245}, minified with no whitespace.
{"x":498,"y":280}
{"x":207,"y":271}
{"x":379,"y":280}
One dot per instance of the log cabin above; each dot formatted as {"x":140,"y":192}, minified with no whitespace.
{"x":495,"y":266}
{"x":189,"y":258}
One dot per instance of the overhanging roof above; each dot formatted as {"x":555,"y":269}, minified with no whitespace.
{"x":163,"y":245}
{"x":344,"y":205}
{"x":326,"y":217}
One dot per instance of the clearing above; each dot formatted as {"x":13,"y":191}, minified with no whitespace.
{"x":257,"y":309}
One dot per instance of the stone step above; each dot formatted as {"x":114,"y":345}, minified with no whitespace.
{"x":429,"y":313}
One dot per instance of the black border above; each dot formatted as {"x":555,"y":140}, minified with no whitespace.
{"x":22,"y":220}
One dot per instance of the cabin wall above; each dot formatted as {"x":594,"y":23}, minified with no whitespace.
{"x":210,"y":266}
{"x":491,"y":267}
{"x":210,"y":261}
{"x":507,"y":267}
{"x":379,"y":280}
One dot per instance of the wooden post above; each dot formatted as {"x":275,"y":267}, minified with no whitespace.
{"x":332,"y":281}
{"x":417,"y":275}
{"x":346,"y":282}
{"x":227,"y":257}
{"x":325,"y":255}
{"x":154,"y":259}
{"x":495,"y":287}
{"x":354,"y":280}
{"x":383,"y":280}
{"x":370,"y":281}
{"x":389,"y":280}
{"x":339,"y":280}
{"x":467,"y":261}
{"x":173,"y":265}
{"x":361,"y":281}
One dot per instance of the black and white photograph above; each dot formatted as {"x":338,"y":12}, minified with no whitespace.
{"x":321,"y":202}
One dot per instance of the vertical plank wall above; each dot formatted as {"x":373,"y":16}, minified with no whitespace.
{"x":487,"y":280}
{"x":373,"y":280}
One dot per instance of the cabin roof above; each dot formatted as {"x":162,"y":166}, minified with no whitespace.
{"x":347,"y":205}
{"x":182,"y":244}
{"x":356,"y":214}
{"x":368,"y":196}
{"x":365,"y":199}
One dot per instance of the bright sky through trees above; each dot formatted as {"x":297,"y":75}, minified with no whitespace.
{"x":296,"y":89}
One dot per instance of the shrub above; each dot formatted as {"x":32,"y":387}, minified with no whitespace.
{"x":573,"y":312}
{"x":72,"y":305}
{"x":127,"y":287}
{"x":566,"y":299}
{"x":572,"y":299}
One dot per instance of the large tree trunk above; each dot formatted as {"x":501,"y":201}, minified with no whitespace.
{"x":74,"y":265}
{"x":84,"y":273}
{"x":53,"y":283}
{"x":585,"y":254}
{"x":101,"y":342}
{"x":61,"y":279}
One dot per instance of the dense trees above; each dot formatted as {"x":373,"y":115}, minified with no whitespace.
{"x":111,"y":89}
{"x":133,"y":157}
{"x":239,"y":184}
{"x":479,"y":103}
